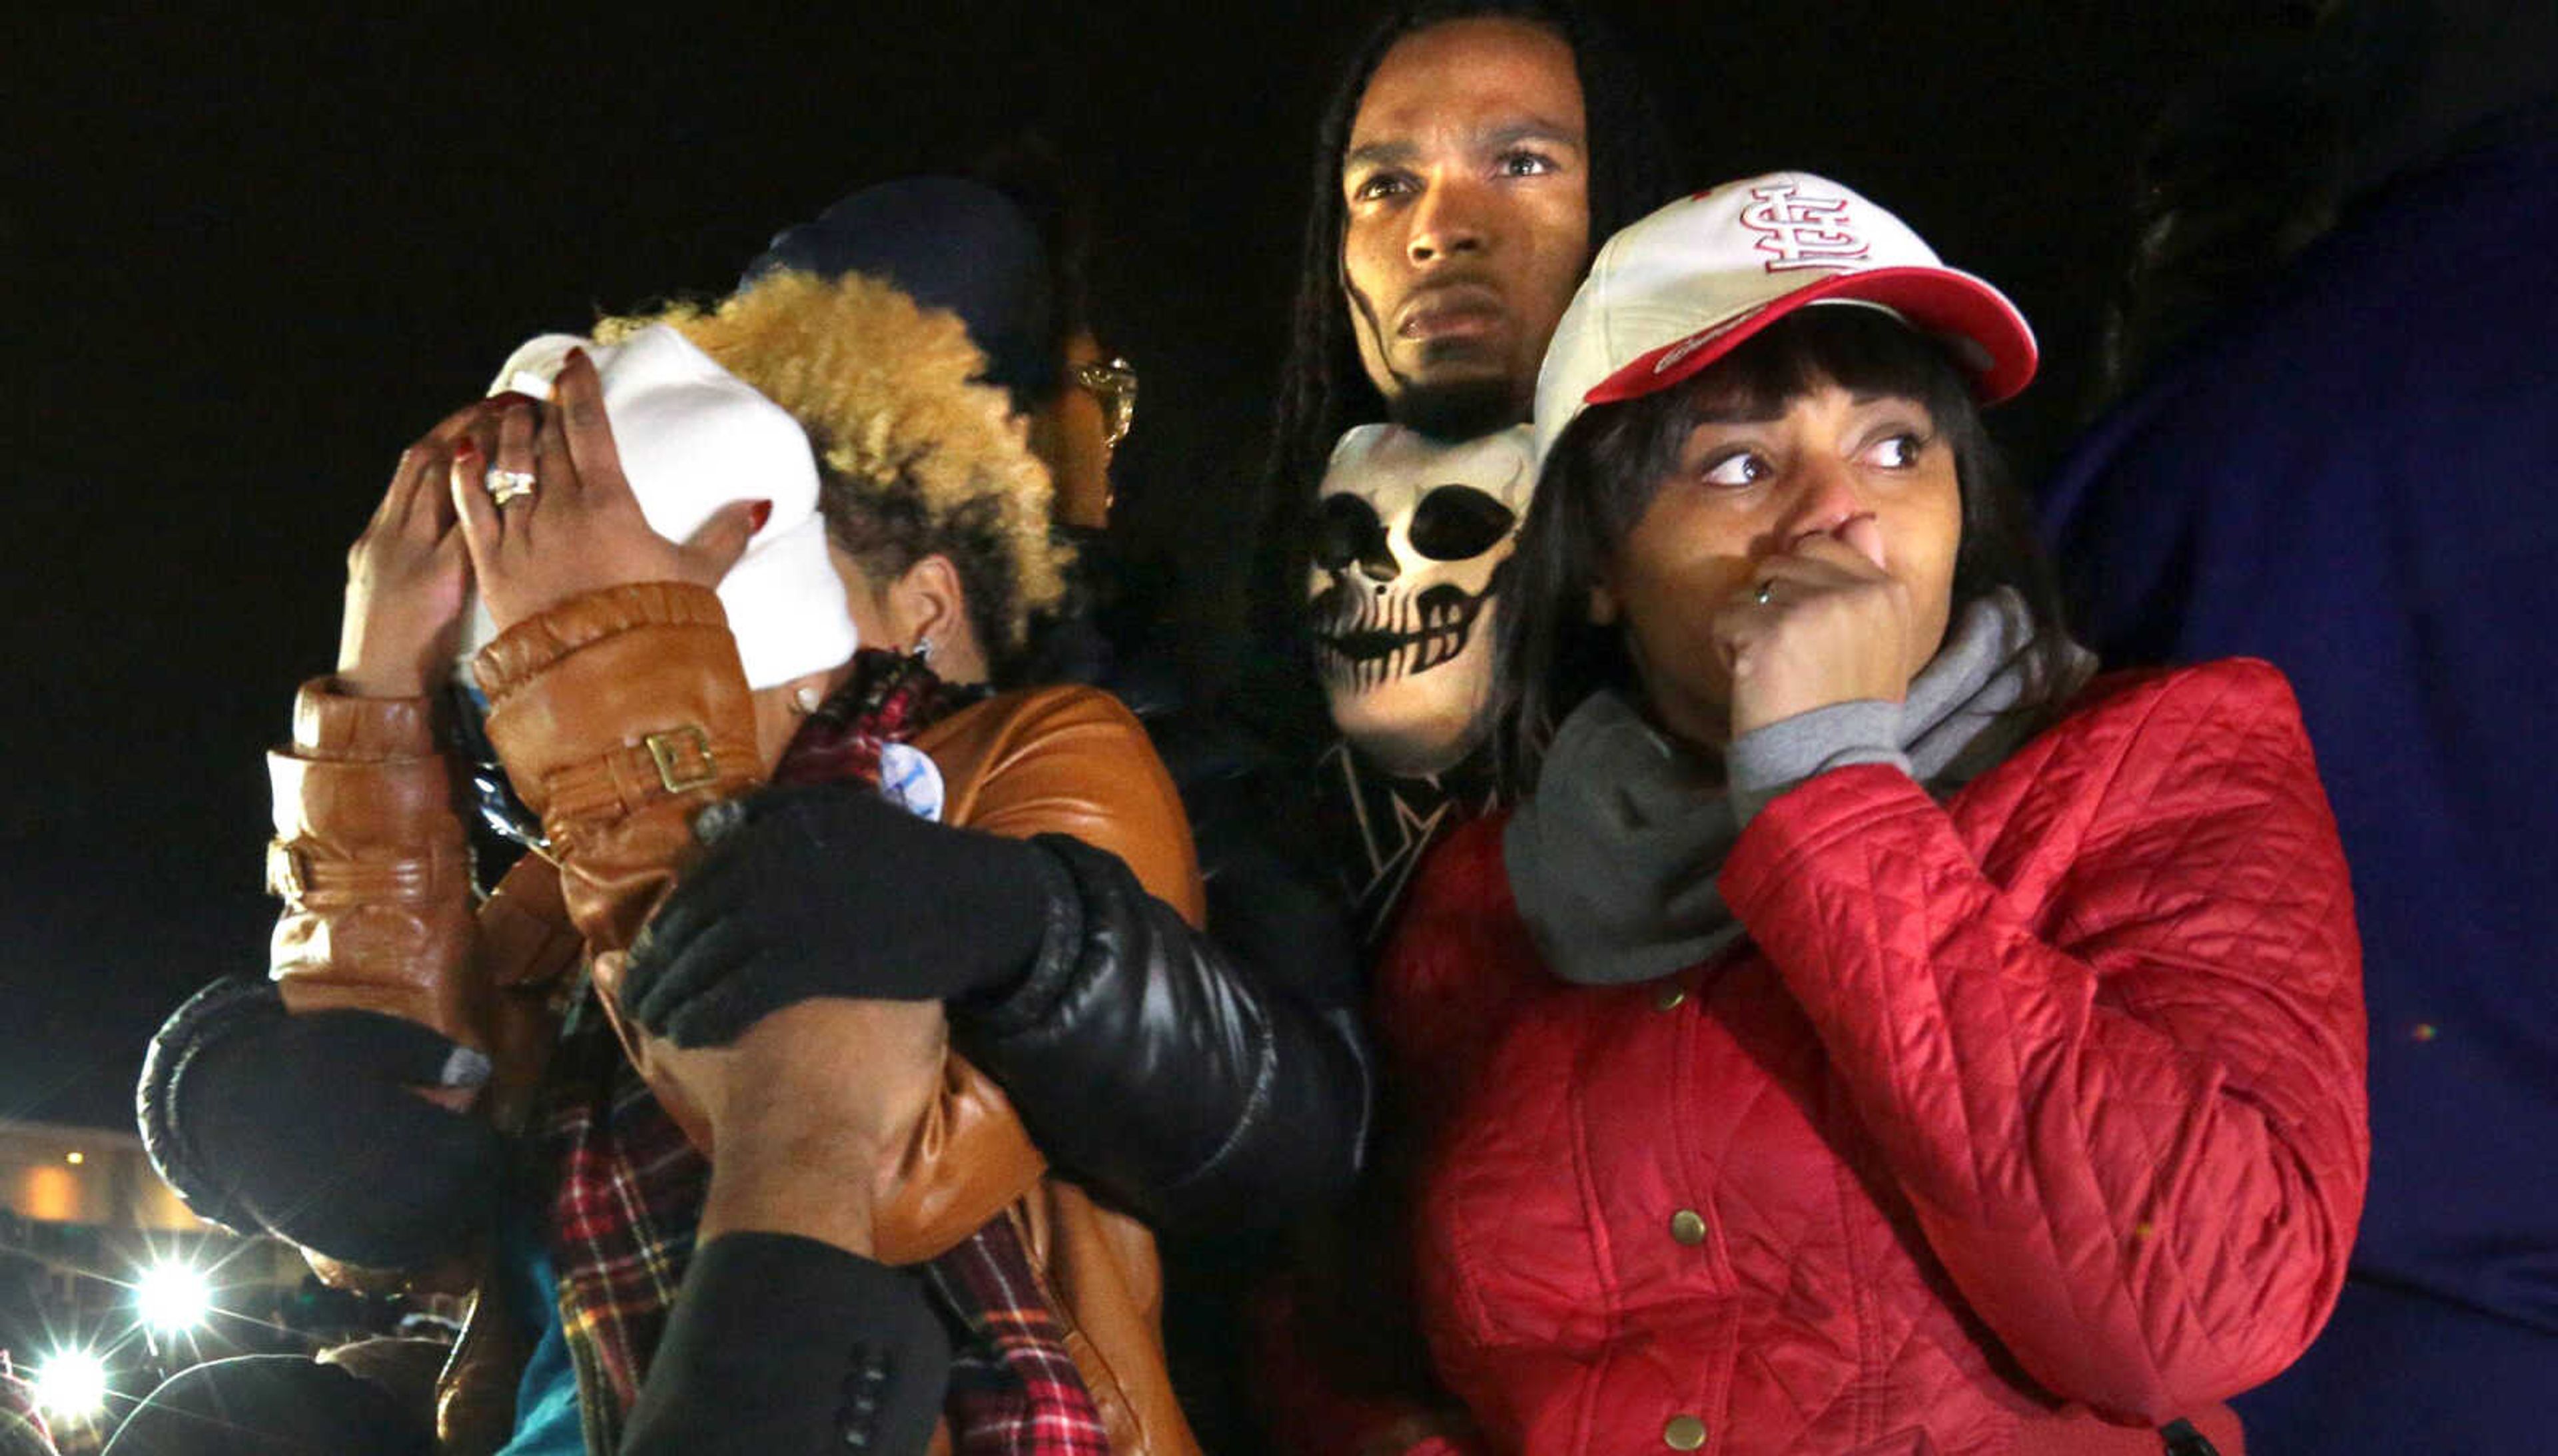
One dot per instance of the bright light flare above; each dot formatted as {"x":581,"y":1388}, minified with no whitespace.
{"x":173,"y":1298}
{"x":70,"y":1385}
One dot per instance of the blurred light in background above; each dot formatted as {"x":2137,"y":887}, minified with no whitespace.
{"x":71,"y":1385}
{"x":51,"y":1195}
{"x":173,"y":1298}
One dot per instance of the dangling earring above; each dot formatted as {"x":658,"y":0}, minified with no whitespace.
{"x":923,"y":650}
{"x":806,"y":697}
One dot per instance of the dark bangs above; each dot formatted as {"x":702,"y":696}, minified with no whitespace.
{"x":1863,"y":350}
{"x":1603,"y":472}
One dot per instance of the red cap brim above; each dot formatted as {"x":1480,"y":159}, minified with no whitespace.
{"x":1991,"y":339}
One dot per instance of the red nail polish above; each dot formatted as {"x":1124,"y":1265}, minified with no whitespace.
{"x":465,"y":448}
{"x":761,"y":512}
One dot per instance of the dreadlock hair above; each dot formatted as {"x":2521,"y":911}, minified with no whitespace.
{"x":1324,"y":389}
{"x":915,"y":457}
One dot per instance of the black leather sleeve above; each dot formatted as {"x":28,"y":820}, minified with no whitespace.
{"x":309,"y":1126}
{"x":229,"y":1004}
{"x":1187,"y":1077}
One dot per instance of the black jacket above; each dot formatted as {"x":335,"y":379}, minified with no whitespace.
{"x":1192,"y":1076}
{"x":1214,"y":1080}
{"x":1195,"y":1077}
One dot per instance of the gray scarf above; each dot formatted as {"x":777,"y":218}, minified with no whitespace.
{"x":1614,"y":859}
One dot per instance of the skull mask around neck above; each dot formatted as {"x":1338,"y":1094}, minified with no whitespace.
{"x":1412,"y":545}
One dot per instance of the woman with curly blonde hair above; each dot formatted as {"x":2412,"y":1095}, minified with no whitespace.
{"x":908,"y":474}
{"x":762,"y":1211}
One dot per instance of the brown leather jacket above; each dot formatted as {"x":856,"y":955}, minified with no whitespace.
{"x":619,"y":715}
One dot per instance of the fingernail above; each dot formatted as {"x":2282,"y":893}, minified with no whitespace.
{"x":465,"y":448}
{"x":465,"y":1068}
{"x":761,"y":513}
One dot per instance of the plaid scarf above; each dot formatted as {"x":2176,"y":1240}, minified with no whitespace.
{"x":630,"y":1188}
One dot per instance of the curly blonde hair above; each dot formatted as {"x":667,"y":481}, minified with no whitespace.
{"x":917,"y":458}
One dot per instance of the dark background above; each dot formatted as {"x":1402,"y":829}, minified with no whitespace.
{"x":247,"y":260}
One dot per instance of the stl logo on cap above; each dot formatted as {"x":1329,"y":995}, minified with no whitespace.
{"x":1801,"y":231}
{"x":1673,"y":292}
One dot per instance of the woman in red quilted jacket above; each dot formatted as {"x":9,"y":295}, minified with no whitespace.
{"x":1869,"y":1034}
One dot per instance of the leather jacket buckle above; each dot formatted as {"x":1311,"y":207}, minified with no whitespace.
{"x":287,"y":878}
{"x":683,"y":759}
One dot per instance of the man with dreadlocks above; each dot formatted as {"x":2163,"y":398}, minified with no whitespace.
{"x":1472,"y":154}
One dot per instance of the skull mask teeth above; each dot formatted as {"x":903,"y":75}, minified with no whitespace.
{"x":1412,"y":544}
{"x":1365,"y":637}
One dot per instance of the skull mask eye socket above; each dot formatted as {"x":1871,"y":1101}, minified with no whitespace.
{"x":1459,"y":523}
{"x":1347,"y":530}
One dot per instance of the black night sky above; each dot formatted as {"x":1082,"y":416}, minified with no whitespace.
{"x":247,"y":260}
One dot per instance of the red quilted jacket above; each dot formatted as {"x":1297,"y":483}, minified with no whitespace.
{"x":2028,"y":1121}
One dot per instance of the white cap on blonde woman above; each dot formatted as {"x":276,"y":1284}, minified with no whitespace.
{"x":1674,"y":292}
{"x":692,"y":438}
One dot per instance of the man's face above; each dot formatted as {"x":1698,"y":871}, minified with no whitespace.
{"x":1467,"y":180}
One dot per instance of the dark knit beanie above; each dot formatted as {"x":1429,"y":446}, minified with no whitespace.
{"x":946,"y":242}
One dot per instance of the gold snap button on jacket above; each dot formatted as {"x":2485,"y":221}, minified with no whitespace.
{"x":1687,"y":1226}
{"x":1668,"y":997}
{"x":1683,"y":1433}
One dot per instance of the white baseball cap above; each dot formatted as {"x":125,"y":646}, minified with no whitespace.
{"x":1674,"y":292}
{"x":693,"y":437}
